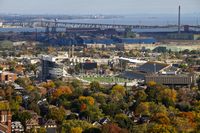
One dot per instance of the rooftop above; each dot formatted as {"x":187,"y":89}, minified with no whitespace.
{"x":151,"y":67}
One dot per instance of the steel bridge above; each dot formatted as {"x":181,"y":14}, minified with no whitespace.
{"x":58,"y":24}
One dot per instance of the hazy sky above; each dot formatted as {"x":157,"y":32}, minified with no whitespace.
{"x":98,"y":6}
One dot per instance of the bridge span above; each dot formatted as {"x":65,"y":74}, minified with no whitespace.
{"x":58,"y":24}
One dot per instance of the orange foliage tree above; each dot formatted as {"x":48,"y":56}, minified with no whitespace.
{"x":83,"y":107}
{"x":62,"y":90}
{"x":161,"y":118}
{"x":88,"y":99}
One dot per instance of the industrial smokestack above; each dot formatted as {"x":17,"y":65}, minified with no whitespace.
{"x":179,"y":19}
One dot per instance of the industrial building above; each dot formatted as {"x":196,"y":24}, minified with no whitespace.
{"x":135,"y":43}
{"x":128,"y":47}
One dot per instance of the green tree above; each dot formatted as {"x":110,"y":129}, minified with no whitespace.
{"x":143,"y":109}
{"x":140,"y":96}
{"x":124,"y":121}
{"x":92,"y":113}
{"x":69,"y":124}
{"x":57,"y":114}
{"x":160,"y":128}
{"x":111,"y":109}
{"x":22,"y":117}
{"x":95,"y":86}
{"x":14,"y":105}
{"x":42,"y":130}
{"x":92,"y":130}
{"x":24,"y":82}
{"x":34,"y":106}
{"x":76,"y":84}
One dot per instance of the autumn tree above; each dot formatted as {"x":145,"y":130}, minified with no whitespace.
{"x":140,"y":96}
{"x":143,"y":109}
{"x":100,"y":97}
{"x":76,"y":84}
{"x":123,"y":121}
{"x":167,"y":96}
{"x":160,"y":128}
{"x":62,"y":90}
{"x":48,"y":85}
{"x":117,"y":92}
{"x":151,"y":83}
{"x":42,"y":130}
{"x":95,"y":86}
{"x":67,"y":125}
{"x":88,"y":109}
{"x":111,"y":128}
{"x":24,"y":82}
{"x":161,"y":118}
{"x":87,"y":100}
{"x":22,"y":117}
{"x":111,"y":109}
{"x":91,"y":113}
{"x":57,"y":114}
{"x":76,"y":130}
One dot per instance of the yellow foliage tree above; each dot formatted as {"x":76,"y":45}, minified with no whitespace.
{"x":4,"y":105}
{"x":151,"y":83}
{"x":48,"y":85}
{"x":76,"y":130}
{"x":18,"y":99}
{"x":168,"y":94}
{"x":118,"y":89}
{"x":30,"y":88}
{"x":117,"y":92}
{"x":160,"y":128}
{"x":143,"y":109}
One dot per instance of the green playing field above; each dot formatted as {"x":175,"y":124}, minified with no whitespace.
{"x":106,"y":79}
